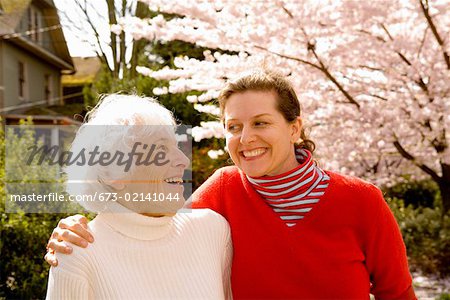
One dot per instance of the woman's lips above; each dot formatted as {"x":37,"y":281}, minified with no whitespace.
{"x":174,"y":180}
{"x":253,"y":154}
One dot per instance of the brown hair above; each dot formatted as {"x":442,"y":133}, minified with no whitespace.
{"x":263,"y":80}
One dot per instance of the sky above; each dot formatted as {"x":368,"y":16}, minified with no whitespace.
{"x":76,"y":46}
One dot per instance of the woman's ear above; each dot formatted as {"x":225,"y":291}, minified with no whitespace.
{"x":296,"y":129}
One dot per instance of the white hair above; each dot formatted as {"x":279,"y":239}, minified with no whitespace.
{"x":114,"y":124}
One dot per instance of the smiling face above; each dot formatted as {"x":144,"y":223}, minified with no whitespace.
{"x":259,"y":139}
{"x":159,"y":187}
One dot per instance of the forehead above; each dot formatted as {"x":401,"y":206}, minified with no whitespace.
{"x":154,"y":133}
{"x":164,"y":133}
{"x":251,"y":103}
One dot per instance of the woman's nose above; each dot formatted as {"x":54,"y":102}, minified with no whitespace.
{"x":181,"y":160}
{"x":247,"y":136}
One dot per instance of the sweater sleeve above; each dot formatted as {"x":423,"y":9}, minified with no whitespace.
{"x":67,"y":285}
{"x":386,"y":258}
{"x":226,"y":266}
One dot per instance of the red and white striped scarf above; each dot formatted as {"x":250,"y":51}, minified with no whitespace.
{"x":293,"y":194}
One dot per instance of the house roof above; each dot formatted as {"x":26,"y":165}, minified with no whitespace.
{"x":86,"y":68}
{"x":13,"y":11}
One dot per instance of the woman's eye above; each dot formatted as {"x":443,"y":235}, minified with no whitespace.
{"x":163,"y":148}
{"x":232,"y":127}
{"x":259,"y":123}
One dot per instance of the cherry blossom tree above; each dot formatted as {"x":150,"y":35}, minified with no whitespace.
{"x":373,"y":77}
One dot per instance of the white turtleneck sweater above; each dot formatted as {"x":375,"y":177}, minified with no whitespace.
{"x":187,"y":256}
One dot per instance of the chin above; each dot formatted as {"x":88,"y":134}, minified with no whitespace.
{"x":252,"y":172}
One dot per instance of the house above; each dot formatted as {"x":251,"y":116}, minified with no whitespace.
{"x":33,"y":56}
{"x":87,"y":71}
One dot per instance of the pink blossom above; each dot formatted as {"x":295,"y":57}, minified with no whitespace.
{"x":384,"y":57}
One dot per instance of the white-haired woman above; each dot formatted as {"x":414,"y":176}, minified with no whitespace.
{"x":144,"y":248}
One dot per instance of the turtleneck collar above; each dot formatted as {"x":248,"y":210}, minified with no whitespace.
{"x":293,"y":194}
{"x":135,"y":225}
{"x":300,"y":180}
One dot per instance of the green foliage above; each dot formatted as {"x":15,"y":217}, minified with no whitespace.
{"x":203,"y":166}
{"x":23,"y":235}
{"x":90,"y":96}
{"x":183,"y":111}
{"x":445,"y":296}
{"x":427,"y":236}
{"x":168,"y":51}
{"x":417,"y":193}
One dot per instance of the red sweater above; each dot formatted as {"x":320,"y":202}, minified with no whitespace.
{"x":349,"y":241}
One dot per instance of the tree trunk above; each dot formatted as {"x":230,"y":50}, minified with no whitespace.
{"x":113,"y":20}
{"x":142,"y":11}
{"x":122,"y":70}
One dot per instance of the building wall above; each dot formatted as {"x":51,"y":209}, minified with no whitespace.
{"x":35,"y":73}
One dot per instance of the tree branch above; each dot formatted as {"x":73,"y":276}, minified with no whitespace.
{"x":321,"y":67}
{"x":368,"y":67}
{"x":433,"y":28}
{"x":290,"y":57}
{"x":412,"y":159}
{"x":422,"y":42}
{"x":379,"y":97}
{"x":327,"y":73}
{"x":100,"y":53}
{"x":420,"y":82}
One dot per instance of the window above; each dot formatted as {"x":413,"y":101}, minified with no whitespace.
{"x":48,"y":88}
{"x":30,"y":19}
{"x":36,"y":26}
{"x":34,"y":23}
{"x":22,"y":80}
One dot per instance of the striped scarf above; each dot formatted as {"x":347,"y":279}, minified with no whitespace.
{"x":293,"y":194}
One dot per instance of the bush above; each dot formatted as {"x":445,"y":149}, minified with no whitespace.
{"x":416,"y":193}
{"x":24,"y":272}
{"x":427,"y":236}
{"x":23,"y":236}
{"x":203,"y":166}
{"x":445,"y":296}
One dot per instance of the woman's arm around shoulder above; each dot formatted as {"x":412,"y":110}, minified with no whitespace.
{"x":70,"y":231}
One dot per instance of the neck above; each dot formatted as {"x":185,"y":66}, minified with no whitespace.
{"x":134,"y":225}
{"x":157,"y":215}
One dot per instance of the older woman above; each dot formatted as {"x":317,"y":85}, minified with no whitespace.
{"x":299,"y":232}
{"x":143,"y":248}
